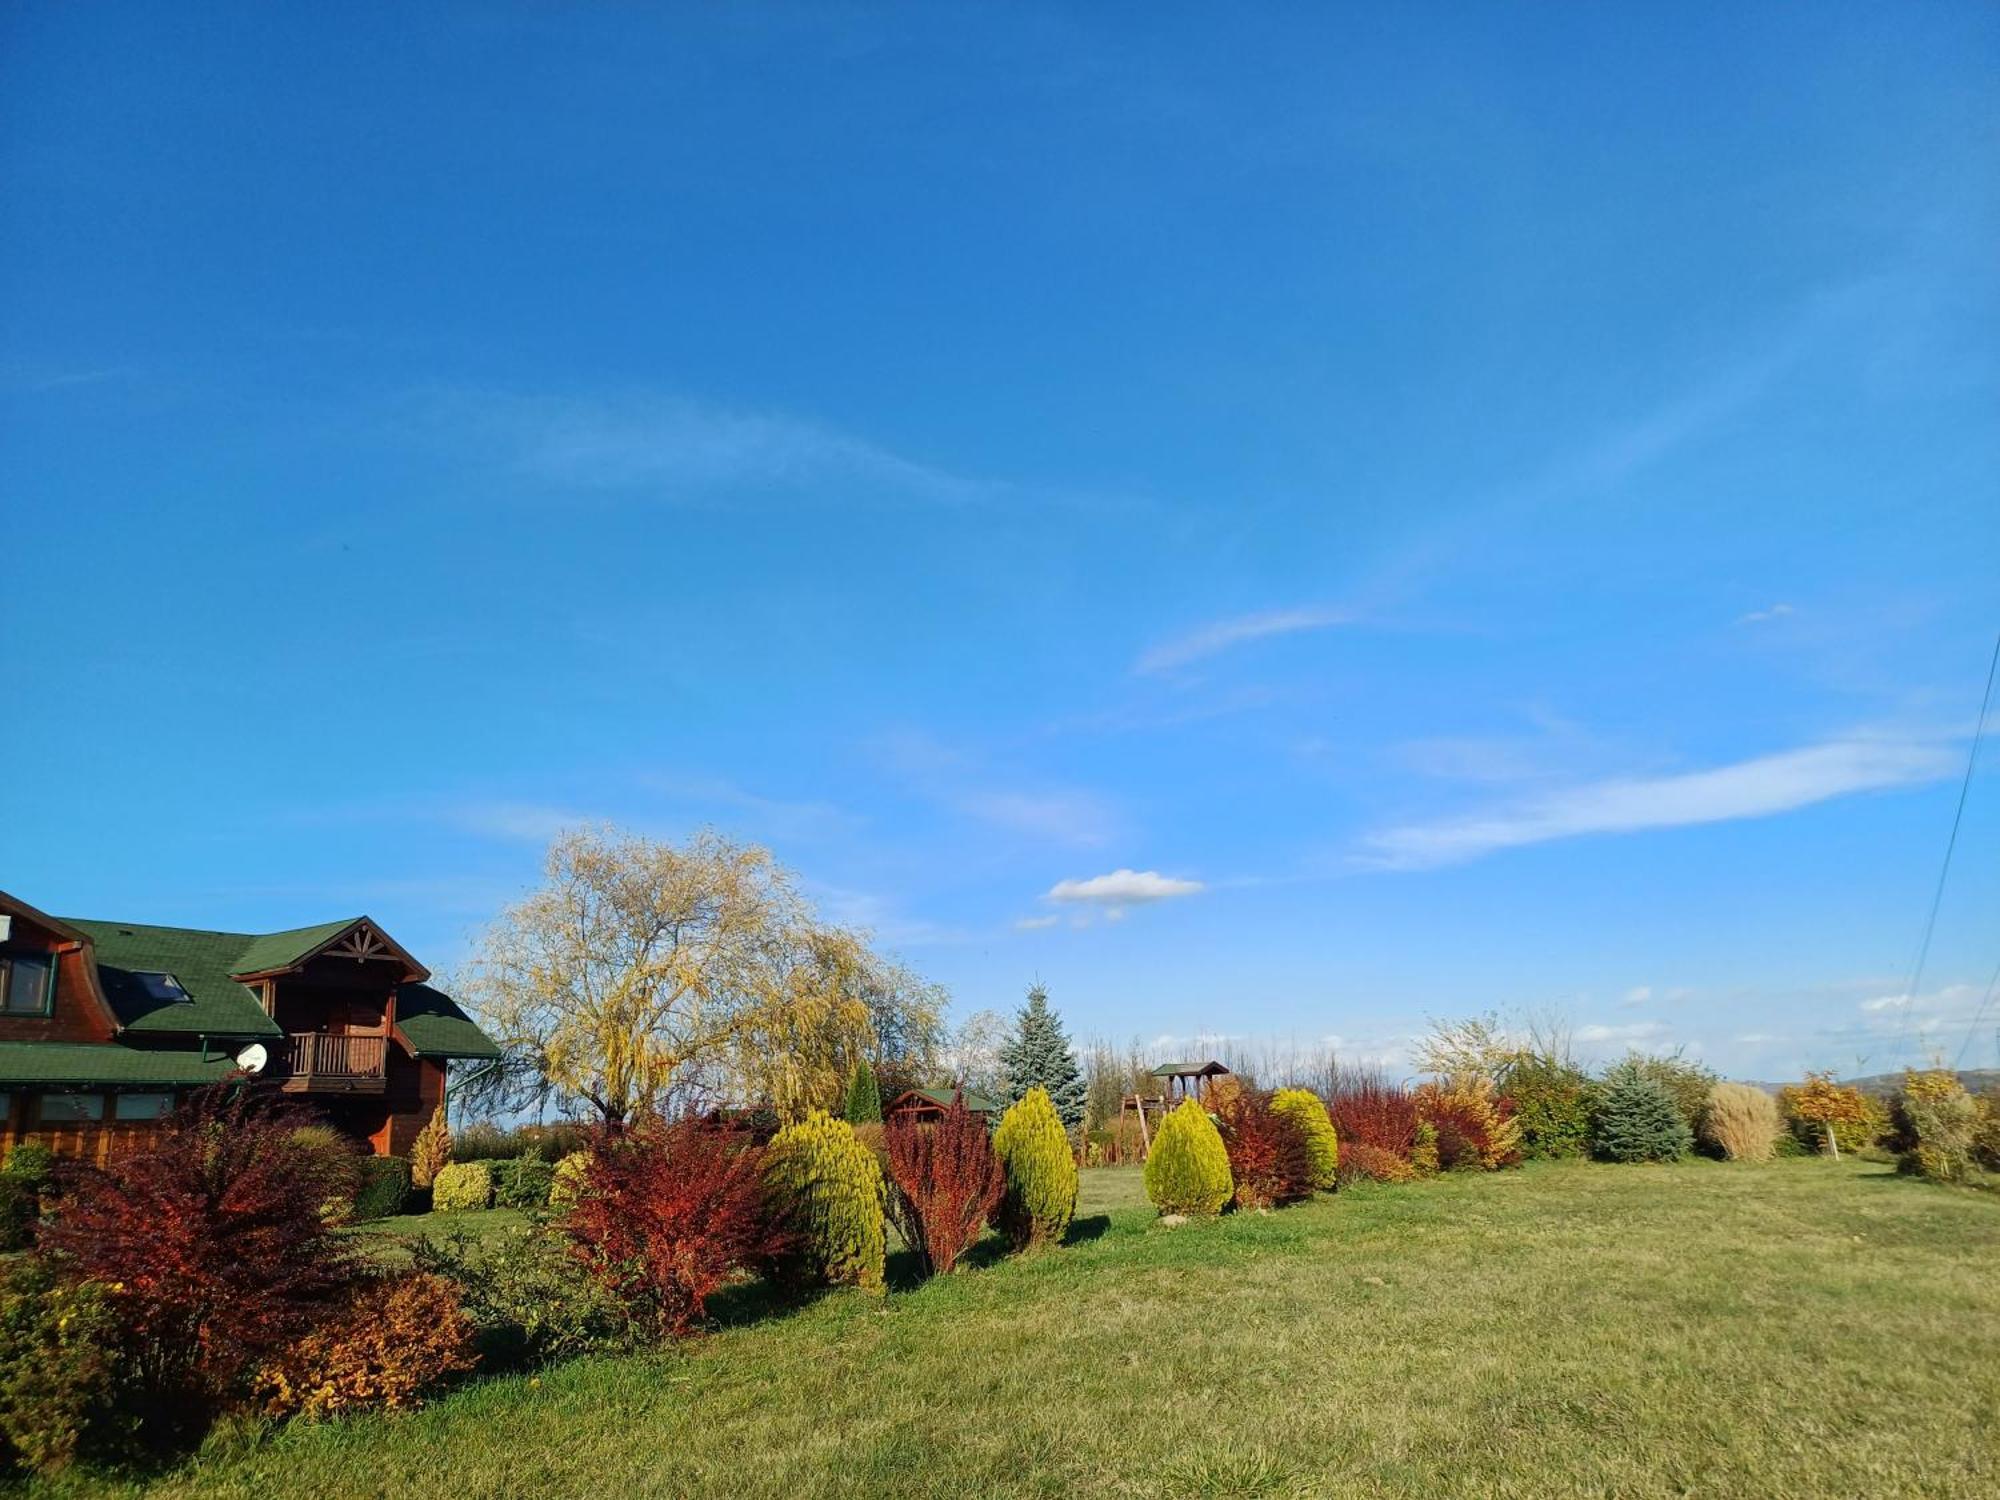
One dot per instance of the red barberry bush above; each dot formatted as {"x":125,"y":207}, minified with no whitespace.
{"x":212,"y":1250}
{"x":1269,"y":1157}
{"x":665,"y":1214}
{"x":1368,"y":1111}
{"x":944,"y":1184}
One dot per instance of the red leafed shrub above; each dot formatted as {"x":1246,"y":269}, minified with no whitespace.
{"x":397,"y":1339}
{"x":1475,"y":1126}
{"x":212,"y":1250}
{"x":945,"y":1183}
{"x":1268,"y":1155}
{"x":1369,"y":1112}
{"x":666,"y":1214}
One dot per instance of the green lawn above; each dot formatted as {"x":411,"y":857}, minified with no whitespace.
{"x":1802,"y":1329}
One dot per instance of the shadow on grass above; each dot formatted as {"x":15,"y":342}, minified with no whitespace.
{"x":1082,"y":1231}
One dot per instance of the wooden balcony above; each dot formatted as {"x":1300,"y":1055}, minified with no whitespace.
{"x":318,"y":1063}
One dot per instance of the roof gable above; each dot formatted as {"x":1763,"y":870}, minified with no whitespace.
{"x":432,"y":1025}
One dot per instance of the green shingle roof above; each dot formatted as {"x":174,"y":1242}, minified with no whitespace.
{"x":280,"y":950}
{"x":975,"y":1102}
{"x":110,"y":1062}
{"x":435,"y":1027}
{"x":202,"y":961}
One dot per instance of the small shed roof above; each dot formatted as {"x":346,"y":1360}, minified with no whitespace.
{"x":1189,"y":1069}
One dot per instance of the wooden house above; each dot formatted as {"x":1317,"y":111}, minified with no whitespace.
{"x":927,"y":1106}
{"x":104,"y":1025}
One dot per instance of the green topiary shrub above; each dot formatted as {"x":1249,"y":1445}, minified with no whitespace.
{"x":1637,"y":1120}
{"x":1322,"y":1144}
{"x":864,"y":1098}
{"x":568,"y":1178}
{"x":826,"y":1189}
{"x":382,"y":1188}
{"x":1187,"y":1171}
{"x":523,"y":1183}
{"x":1035,"y":1155}
{"x":461,"y":1185}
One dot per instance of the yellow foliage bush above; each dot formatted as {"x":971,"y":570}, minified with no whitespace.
{"x":1035,"y":1156}
{"x":463,"y":1185}
{"x":399,"y":1339}
{"x":1187,"y":1171}
{"x":828,"y":1190}
{"x":1322,"y":1143}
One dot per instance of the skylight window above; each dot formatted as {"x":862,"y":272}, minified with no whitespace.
{"x":164,"y":987}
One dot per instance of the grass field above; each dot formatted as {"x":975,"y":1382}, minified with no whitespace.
{"x":1806,"y":1328}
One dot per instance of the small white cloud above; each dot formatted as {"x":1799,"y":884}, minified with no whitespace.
{"x":1885,"y":1003}
{"x":1759,"y":1038}
{"x":1124,"y":888}
{"x":1639,"y":994}
{"x":1758,"y":616}
{"x":1223,"y":635}
{"x":1035,"y":924}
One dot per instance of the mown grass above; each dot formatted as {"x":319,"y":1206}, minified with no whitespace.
{"x":1799,"y":1329}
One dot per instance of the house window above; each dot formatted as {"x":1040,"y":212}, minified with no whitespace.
{"x":67,"y":1109}
{"x":163,"y":987}
{"x":27,"y":984}
{"x":142,"y":1106}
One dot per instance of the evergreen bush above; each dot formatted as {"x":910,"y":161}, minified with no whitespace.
{"x":461,"y":1185}
{"x":522,"y":1183}
{"x":1637,"y":1120}
{"x":1039,"y":1056}
{"x":1316,"y":1125}
{"x":864,"y":1097}
{"x":1187,"y":1171}
{"x":1685,"y":1083}
{"x":430,"y":1153}
{"x":826,"y":1191}
{"x":382,"y":1187}
{"x":1040,"y":1168}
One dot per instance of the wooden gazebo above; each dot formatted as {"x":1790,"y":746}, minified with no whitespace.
{"x":927,"y":1106}
{"x":1177,"y":1081}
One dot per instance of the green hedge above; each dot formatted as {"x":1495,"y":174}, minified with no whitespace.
{"x":523,"y":1183}
{"x":383,"y":1190}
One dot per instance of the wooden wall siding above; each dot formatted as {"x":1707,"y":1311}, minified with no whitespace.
{"x":75,"y":1018}
{"x":94,"y":1141}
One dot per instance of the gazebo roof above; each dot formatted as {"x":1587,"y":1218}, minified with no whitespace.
{"x":1189,"y":1069}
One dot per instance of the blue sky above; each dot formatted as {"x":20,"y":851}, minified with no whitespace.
{"x":1279,"y":525}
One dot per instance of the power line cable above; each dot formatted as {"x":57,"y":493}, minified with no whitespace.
{"x":1978,"y":1016}
{"x":1937,"y":896}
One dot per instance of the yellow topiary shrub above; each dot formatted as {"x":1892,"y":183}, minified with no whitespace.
{"x":1035,"y":1155}
{"x":1742,"y":1122}
{"x":827,"y":1189}
{"x":1322,"y":1144}
{"x":568,"y":1180}
{"x":1187,"y":1171}
{"x":462,"y":1185}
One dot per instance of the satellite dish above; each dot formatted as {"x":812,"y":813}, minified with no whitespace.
{"x":252,"y":1058}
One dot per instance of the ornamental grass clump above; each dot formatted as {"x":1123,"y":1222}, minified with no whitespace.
{"x":1938,"y":1122}
{"x":825,"y":1190}
{"x":1638,"y":1120}
{"x":666,"y":1214}
{"x":1187,"y":1171}
{"x":1742,"y":1122}
{"x":1040,"y":1171}
{"x":944,"y":1184}
{"x":1269,"y":1165}
{"x":1308,"y":1111}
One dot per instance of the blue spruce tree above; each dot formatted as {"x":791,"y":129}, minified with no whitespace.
{"x":1039,"y":1053}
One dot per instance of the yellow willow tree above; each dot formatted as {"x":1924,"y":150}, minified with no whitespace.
{"x":645,"y":976}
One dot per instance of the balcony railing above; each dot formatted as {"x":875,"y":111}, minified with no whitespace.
{"x":316,"y":1060}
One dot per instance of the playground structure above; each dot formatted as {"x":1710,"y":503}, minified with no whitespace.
{"x":1178,"y":1081}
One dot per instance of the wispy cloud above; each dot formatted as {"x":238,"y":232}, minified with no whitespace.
{"x":523,"y":822}
{"x":1771,"y":612}
{"x":1035,"y":924}
{"x":964,"y":783}
{"x":1225,"y":635}
{"x":1630,"y":1034}
{"x":1755,"y":788}
{"x":677,"y":447}
{"x":1639,"y":994}
{"x":776,"y":816}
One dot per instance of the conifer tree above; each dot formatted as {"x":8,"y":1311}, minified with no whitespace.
{"x":864,"y":1099}
{"x":1039,"y":1056}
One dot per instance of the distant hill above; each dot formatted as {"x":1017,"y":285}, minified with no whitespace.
{"x":1975,"y":1080}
